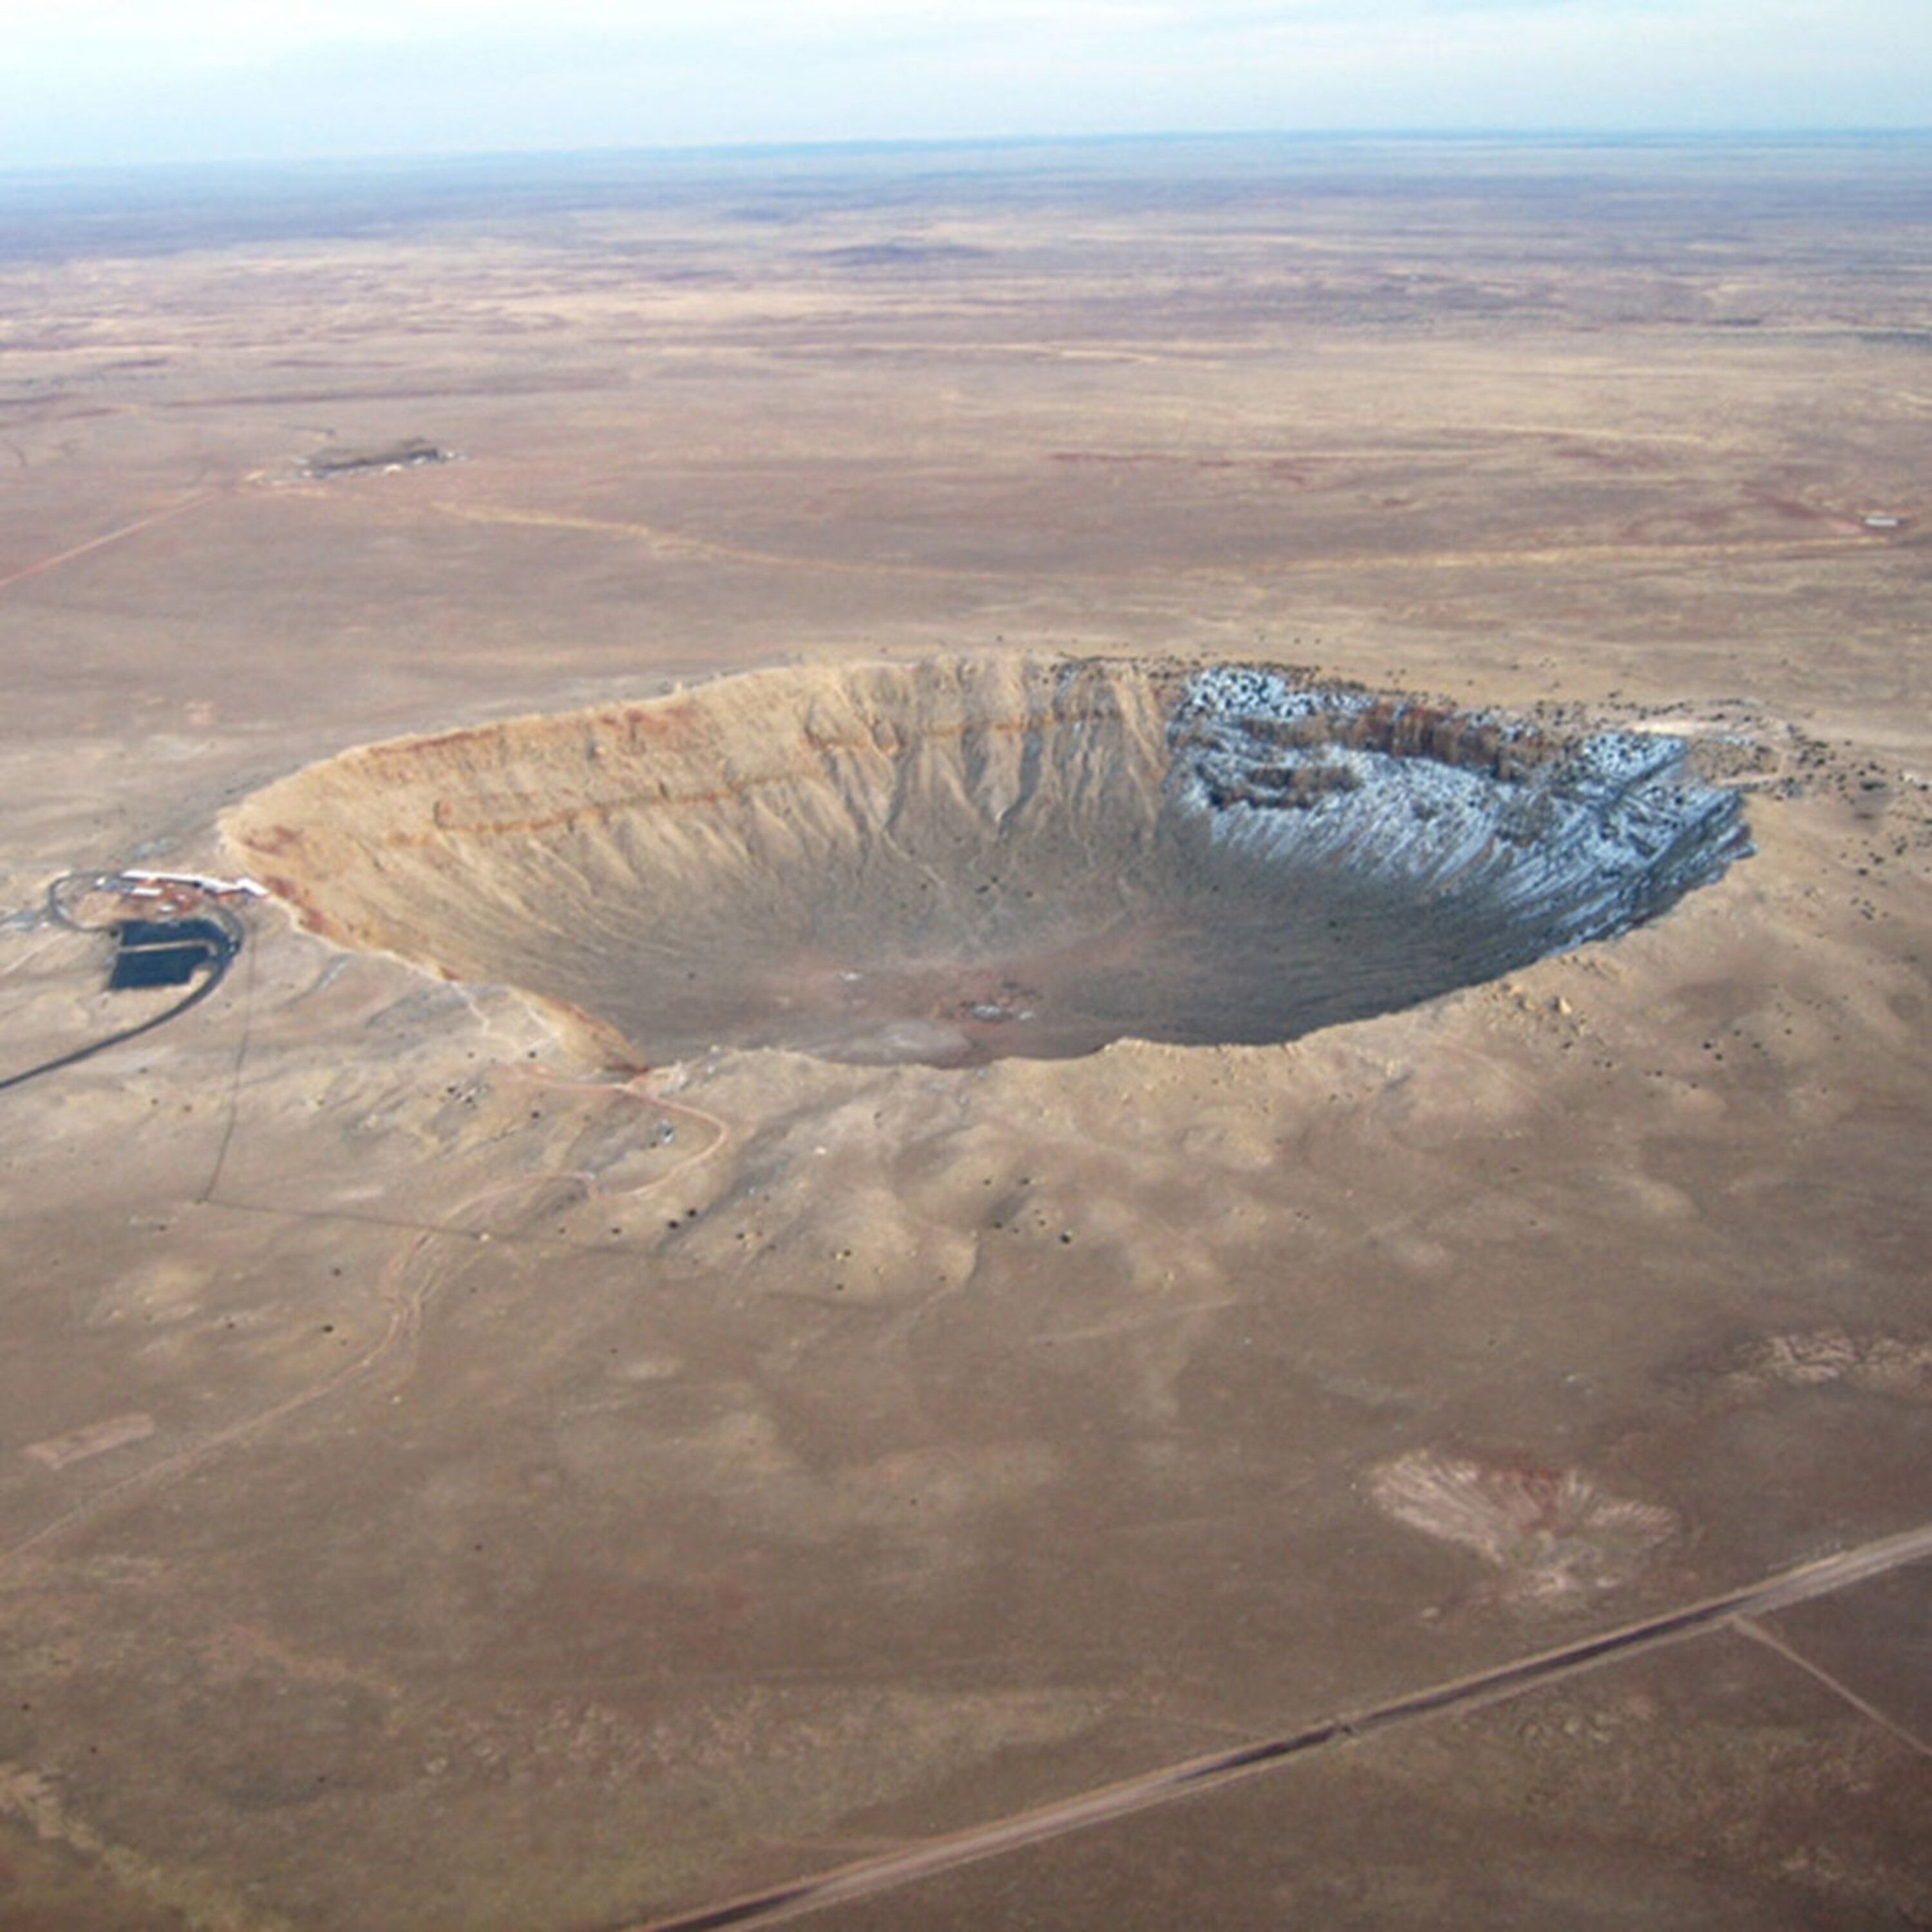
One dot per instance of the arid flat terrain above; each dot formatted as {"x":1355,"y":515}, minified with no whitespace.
{"x":457,"y":1475}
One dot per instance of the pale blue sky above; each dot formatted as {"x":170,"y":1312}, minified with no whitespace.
{"x":128,"y":80}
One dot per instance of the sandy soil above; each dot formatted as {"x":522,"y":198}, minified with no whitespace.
{"x":447,"y":1482}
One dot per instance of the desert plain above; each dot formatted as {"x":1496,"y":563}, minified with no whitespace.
{"x":461,"y":1470}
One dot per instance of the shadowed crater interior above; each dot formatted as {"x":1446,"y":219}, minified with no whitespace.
{"x":958,"y":860}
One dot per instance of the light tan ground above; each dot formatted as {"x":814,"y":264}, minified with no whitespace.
{"x":397,"y":1530}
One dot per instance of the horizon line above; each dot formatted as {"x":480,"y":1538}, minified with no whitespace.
{"x":1792,"y":136}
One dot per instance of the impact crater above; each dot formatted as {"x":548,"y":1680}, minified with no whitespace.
{"x":960,"y":860}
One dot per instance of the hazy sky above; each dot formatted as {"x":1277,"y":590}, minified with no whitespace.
{"x":116,"y":80}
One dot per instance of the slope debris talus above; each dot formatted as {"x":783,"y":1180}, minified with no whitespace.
{"x":965,"y":859}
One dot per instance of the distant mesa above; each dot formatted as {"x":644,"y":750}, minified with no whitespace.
{"x":411,"y":453}
{"x":970,"y":859}
{"x":901,"y":254}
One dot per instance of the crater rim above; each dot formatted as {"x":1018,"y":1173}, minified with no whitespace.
{"x":1213,"y":797}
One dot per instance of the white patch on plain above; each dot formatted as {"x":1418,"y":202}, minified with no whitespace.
{"x":1883,"y":1364}
{"x":1555,"y":1534}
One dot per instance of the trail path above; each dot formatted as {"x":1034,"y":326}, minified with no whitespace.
{"x":114,"y":536}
